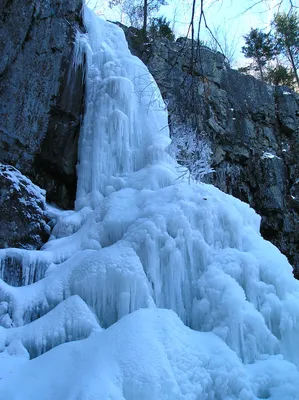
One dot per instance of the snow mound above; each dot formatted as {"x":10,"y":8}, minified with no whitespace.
{"x":149,"y":354}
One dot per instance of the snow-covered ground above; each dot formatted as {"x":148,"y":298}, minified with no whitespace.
{"x":163,"y":290}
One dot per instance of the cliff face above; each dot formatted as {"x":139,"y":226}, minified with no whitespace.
{"x":252,"y":128}
{"x":41,"y":95}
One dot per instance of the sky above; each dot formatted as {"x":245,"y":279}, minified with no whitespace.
{"x":229,"y":20}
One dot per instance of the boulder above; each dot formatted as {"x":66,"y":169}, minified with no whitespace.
{"x":23,"y":222}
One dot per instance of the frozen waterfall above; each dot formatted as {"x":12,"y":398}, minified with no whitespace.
{"x":155,"y":289}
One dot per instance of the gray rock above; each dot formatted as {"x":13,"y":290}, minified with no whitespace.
{"x":23,"y":222}
{"x":41,"y":94}
{"x":287,"y":110}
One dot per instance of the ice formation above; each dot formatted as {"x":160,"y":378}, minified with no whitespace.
{"x":163,"y":290}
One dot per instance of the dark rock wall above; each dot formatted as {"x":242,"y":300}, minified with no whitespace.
{"x":253,"y":130}
{"x":41,"y":95}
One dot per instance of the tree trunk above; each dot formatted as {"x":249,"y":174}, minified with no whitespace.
{"x":293,"y":65}
{"x":260,"y":68}
{"x":144,"y":19}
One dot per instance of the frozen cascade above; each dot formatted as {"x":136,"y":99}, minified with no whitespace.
{"x":125,"y":124}
{"x":170,"y":285}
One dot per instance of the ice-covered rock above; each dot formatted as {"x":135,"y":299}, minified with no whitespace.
{"x":22,"y":207}
{"x":23,"y":224}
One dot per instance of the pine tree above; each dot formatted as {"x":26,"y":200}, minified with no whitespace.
{"x":286,"y":27}
{"x":160,"y":28}
{"x":260,"y":47}
{"x":280,"y":75}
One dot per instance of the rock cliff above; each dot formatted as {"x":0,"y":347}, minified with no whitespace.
{"x":252,"y":128}
{"x":41,"y":95}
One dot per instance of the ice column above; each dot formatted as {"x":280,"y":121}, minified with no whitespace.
{"x":125,"y":123}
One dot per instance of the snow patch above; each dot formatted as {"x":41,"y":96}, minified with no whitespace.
{"x":269,"y":155}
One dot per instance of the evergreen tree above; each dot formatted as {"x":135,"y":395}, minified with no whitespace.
{"x":260,"y":47}
{"x":280,"y":75}
{"x":160,"y":28}
{"x":286,"y":27}
{"x":246,"y":69}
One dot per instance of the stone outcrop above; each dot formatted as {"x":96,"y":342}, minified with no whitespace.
{"x":22,"y":204}
{"x":41,"y":94}
{"x":252,"y":128}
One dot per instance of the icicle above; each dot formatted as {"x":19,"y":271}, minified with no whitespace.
{"x":23,"y":267}
{"x":70,"y":320}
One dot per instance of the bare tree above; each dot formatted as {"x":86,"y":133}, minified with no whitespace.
{"x":229,"y":43}
{"x":138,"y":11}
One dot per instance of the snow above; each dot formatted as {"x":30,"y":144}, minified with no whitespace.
{"x":62,"y":324}
{"x":19,"y":180}
{"x":192,"y":152}
{"x":266,"y":154}
{"x":154,"y":288}
{"x":143,"y":356}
